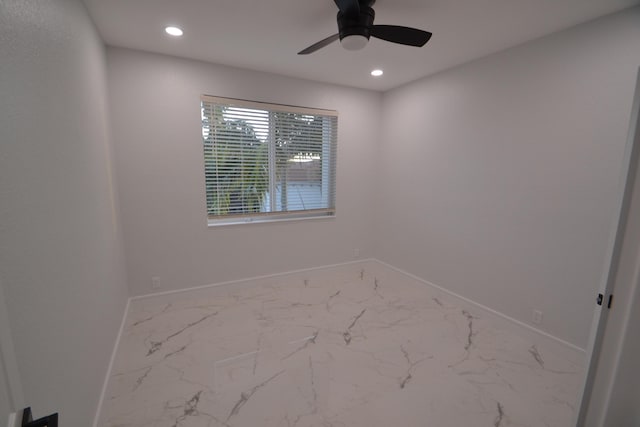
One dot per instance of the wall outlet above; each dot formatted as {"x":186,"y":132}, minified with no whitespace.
{"x":537,"y":317}
{"x":155,"y":282}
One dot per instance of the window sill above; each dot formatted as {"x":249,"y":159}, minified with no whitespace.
{"x":268,"y":219}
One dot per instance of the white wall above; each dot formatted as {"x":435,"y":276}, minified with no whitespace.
{"x":61,"y":260}
{"x":498,"y":178}
{"x":155,"y":109}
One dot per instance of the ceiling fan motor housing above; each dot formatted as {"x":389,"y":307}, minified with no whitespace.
{"x":356,"y":25}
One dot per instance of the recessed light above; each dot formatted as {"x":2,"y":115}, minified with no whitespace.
{"x":377,"y":73}
{"x":174,"y":31}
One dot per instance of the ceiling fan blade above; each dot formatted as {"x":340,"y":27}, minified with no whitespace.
{"x":348,"y":7}
{"x":402,"y":35}
{"x":319,"y":45}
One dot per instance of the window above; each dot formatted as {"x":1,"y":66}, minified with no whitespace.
{"x":267,"y":162}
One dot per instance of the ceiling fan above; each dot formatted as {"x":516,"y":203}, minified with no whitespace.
{"x":355,"y":26}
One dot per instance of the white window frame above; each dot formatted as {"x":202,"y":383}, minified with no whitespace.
{"x":328,"y":165}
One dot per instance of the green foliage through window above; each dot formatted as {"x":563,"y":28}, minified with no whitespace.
{"x":260,"y":160}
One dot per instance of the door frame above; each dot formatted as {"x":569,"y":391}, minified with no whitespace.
{"x":598,"y":382}
{"x":8,"y":361}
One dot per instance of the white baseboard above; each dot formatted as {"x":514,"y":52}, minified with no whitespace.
{"x":103,"y":393}
{"x":237,"y":282}
{"x":250,"y":279}
{"x":500,"y":320}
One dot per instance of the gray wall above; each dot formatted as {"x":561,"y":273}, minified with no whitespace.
{"x":498,"y":178}
{"x":61,"y":261}
{"x":155,"y":109}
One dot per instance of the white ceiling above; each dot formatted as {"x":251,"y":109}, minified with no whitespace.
{"x":265,"y":35}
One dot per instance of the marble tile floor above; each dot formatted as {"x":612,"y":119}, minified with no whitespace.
{"x":349,"y":350}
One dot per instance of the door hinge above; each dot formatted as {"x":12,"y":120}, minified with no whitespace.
{"x":600,"y":298}
{"x":610,"y":300}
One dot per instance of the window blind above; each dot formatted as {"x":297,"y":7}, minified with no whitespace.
{"x":267,"y":161}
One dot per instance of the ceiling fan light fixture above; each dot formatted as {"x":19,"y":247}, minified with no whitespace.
{"x":355,"y":26}
{"x":354,"y":42}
